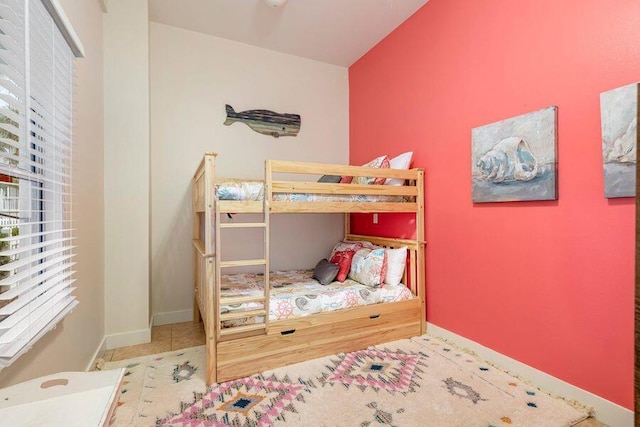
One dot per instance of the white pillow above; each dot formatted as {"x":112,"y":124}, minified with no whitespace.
{"x":401,"y":161}
{"x":396,"y":263}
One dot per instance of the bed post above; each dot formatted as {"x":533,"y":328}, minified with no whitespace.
{"x":266,"y":217}
{"x":347,"y":224}
{"x":212,"y":270}
{"x":420,"y":237}
{"x":196,"y":258}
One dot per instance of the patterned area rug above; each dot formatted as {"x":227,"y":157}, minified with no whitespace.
{"x":415,"y":382}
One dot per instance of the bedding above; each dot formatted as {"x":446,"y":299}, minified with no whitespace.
{"x":393,"y":264}
{"x":401,"y":161}
{"x":396,"y":263}
{"x":254,"y":191}
{"x":294,"y":293}
{"x":343,"y":260}
{"x":380,"y":162}
{"x":325,"y":271}
{"x":369,"y":266}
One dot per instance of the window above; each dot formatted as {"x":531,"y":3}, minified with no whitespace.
{"x":37,"y":50}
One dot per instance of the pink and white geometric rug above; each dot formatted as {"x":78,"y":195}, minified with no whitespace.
{"x":415,"y":382}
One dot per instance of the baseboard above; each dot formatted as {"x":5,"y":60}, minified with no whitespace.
{"x":102,"y":347}
{"x":172,"y":317}
{"x":142,"y":336}
{"x":607,"y":412}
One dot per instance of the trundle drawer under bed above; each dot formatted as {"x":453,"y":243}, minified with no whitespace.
{"x":296,"y":340}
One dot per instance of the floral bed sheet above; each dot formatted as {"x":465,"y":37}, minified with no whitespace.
{"x":294,"y":293}
{"x":254,"y":191}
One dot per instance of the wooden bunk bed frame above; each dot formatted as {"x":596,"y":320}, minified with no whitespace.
{"x":249,"y":349}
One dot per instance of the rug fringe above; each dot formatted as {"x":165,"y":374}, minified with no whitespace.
{"x":573,"y":402}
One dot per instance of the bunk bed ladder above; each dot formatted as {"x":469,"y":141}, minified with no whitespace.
{"x":250,"y":328}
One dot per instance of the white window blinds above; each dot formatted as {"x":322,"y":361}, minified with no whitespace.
{"x":36,"y":234}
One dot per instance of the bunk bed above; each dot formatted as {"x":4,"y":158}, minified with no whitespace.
{"x":250,"y":340}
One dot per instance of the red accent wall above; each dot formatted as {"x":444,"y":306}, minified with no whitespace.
{"x":547,"y":283}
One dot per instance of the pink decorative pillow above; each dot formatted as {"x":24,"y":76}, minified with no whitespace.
{"x":345,"y":245}
{"x":377,"y":162}
{"x":343,"y":259}
{"x":381,"y":162}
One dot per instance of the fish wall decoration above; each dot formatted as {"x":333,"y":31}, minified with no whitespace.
{"x":265,"y":122}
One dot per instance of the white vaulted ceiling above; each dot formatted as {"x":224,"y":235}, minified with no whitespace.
{"x":332,"y":31}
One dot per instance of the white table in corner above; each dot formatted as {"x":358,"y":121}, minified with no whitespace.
{"x":66,"y":399}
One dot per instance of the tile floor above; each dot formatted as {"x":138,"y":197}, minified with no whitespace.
{"x":163,"y":338}
{"x":189,"y":334}
{"x":591,"y":422}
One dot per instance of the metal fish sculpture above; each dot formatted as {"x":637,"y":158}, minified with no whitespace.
{"x":265,"y":121}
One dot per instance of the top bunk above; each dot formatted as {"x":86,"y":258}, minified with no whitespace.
{"x":293,"y":187}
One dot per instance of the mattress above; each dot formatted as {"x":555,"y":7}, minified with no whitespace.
{"x":254,"y":191}
{"x":294,"y":293}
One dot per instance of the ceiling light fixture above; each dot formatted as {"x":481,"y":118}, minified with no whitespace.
{"x":275,"y":3}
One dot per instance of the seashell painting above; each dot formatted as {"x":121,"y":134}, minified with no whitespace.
{"x":619,"y":123}
{"x":515,"y":159}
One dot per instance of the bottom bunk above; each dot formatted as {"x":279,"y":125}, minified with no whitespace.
{"x":304,"y":319}
{"x":294,"y":293}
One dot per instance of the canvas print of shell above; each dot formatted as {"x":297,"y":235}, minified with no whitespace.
{"x":619,"y":121}
{"x":515,"y":159}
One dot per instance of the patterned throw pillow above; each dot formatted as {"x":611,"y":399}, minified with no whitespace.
{"x":345,"y":245}
{"x":369,"y":266}
{"x":396,"y":262}
{"x":343,"y":259}
{"x":381,"y":162}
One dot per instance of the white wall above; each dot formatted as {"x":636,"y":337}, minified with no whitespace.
{"x":71,"y":346}
{"x":193,"y":76}
{"x":126,"y":165}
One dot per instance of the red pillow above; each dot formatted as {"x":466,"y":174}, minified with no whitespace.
{"x":343,"y":259}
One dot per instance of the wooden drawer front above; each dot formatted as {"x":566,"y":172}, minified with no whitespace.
{"x":252,"y":355}
{"x":239,"y":350}
{"x":386,"y":311}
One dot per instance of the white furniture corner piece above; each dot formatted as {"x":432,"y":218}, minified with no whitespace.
{"x":70,"y":399}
